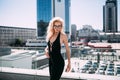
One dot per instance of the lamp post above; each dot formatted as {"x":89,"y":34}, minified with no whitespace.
{"x":98,"y":58}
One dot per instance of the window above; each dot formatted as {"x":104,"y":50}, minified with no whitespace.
{"x":59,"y":0}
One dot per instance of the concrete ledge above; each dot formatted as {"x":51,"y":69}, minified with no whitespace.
{"x":26,"y":74}
{"x":16,"y":76}
{"x":30,"y":74}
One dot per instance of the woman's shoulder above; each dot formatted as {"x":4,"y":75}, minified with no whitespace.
{"x":63,"y":36}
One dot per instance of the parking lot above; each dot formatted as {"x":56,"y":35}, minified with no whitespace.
{"x":77,"y":73}
{"x":92,"y":67}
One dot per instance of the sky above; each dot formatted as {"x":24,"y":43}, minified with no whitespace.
{"x":22,"y":13}
{"x":18,"y":13}
{"x":89,"y":12}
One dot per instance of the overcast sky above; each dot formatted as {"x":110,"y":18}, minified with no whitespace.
{"x":22,"y":13}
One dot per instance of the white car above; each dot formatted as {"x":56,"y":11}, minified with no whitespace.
{"x":109,"y":71}
{"x":100,"y":71}
{"x":117,"y":66}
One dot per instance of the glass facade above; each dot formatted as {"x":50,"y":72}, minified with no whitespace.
{"x":67,"y":16}
{"x":44,"y":13}
{"x":46,"y":9}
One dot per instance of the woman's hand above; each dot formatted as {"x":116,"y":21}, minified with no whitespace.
{"x":46,"y":52}
{"x":68,"y":68}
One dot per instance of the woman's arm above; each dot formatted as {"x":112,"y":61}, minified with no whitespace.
{"x":65,"y":41}
{"x":46,"y":52}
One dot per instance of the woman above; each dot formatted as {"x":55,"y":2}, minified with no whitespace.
{"x":55,"y":38}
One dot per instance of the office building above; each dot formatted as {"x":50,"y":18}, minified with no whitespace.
{"x":73,"y":32}
{"x":44,"y":15}
{"x":8,"y":35}
{"x":61,"y":8}
{"x":47,"y":9}
{"x":110,"y":16}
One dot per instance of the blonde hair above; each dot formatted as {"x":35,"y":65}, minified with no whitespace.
{"x":50,"y":29}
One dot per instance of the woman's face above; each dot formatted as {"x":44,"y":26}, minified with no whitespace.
{"x":57,"y":26}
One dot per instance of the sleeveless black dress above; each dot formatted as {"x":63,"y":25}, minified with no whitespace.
{"x":56,"y":61}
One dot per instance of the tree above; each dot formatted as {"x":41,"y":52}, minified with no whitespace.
{"x":18,"y":42}
{"x":42,"y":26}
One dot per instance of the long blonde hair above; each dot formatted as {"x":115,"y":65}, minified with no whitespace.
{"x":50,"y":29}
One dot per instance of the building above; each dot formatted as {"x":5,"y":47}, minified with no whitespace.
{"x":87,"y":32}
{"x":73,"y":32}
{"x":110,"y":16}
{"x":44,"y":15}
{"x":47,"y":9}
{"x":8,"y":35}
{"x":110,"y":37}
{"x":61,"y":8}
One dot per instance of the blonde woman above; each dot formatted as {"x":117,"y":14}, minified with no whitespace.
{"x":55,"y":38}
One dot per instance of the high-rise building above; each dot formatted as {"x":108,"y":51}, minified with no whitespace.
{"x":44,"y":15}
{"x":110,"y":16}
{"x":47,"y":9}
{"x":61,"y":8}
{"x":73,"y":32}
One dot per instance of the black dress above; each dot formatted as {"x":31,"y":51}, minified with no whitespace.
{"x":56,"y":61}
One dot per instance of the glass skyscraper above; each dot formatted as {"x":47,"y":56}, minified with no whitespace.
{"x":67,"y":16}
{"x":110,"y":16}
{"x":44,"y":15}
{"x":47,"y":9}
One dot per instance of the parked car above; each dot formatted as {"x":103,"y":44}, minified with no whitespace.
{"x":104,"y":63}
{"x":95,"y":65}
{"x":89,"y":62}
{"x":100,"y":70}
{"x":109,"y":71}
{"x":84,"y":69}
{"x":91,"y":70}
{"x":117,"y":73}
{"x":117,"y":66}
